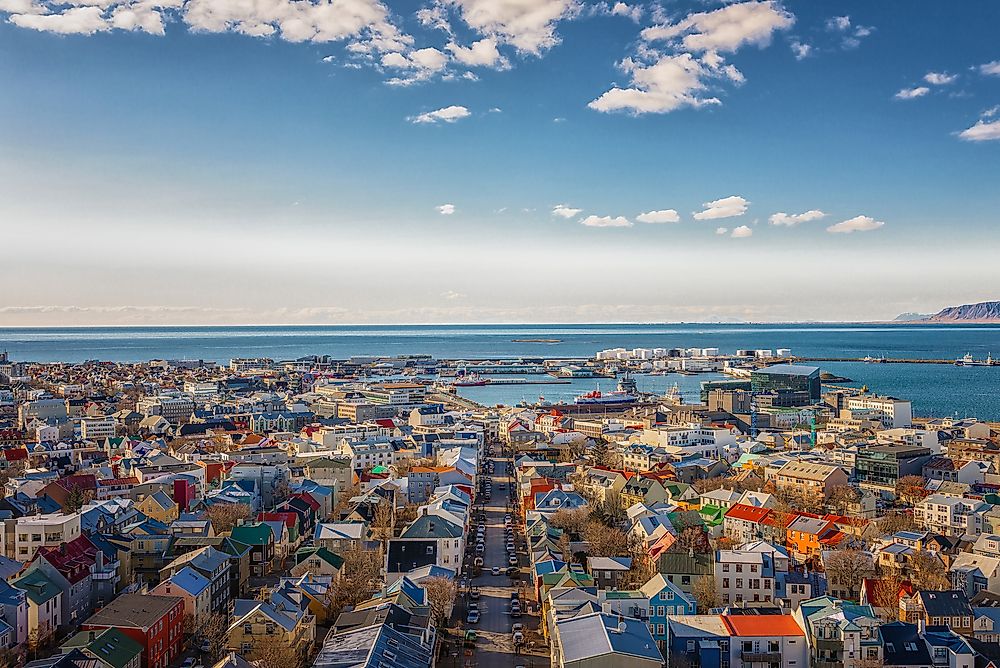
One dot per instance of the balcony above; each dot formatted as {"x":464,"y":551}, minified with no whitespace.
{"x":761,"y":657}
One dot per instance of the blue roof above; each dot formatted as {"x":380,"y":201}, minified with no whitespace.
{"x":599,"y":634}
{"x":190,"y":581}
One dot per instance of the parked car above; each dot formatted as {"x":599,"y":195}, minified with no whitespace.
{"x":495,"y":570}
{"x":512,"y":560}
{"x":517,"y":637}
{"x":472,"y":617}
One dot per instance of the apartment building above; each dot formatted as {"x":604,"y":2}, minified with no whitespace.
{"x":891,"y":412}
{"x":952,"y":516}
{"x":49,"y":530}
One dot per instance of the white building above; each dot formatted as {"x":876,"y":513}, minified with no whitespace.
{"x":891,"y":412}
{"x":98,"y":428}
{"x":952,"y":516}
{"x":35,"y":531}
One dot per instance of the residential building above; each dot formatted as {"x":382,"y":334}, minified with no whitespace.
{"x":155,"y":622}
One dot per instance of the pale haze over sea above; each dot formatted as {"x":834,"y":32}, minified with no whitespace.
{"x":935,"y":389}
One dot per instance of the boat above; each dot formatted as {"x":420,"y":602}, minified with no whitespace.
{"x":471,"y":380}
{"x":625,"y":394}
{"x":969,"y":360}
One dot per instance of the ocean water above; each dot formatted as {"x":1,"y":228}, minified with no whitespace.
{"x":934,"y":389}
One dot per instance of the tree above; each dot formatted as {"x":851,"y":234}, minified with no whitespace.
{"x":276,"y":655}
{"x":895,"y":521}
{"x":705,"y":593}
{"x":9,"y":658}
{"x":846,"y":571}
{"x":224,"y":516}
{"x":213,"y":630}
{"x":910,"y":489}
{"x":382,"y":522}
{"x":705,"y":485}
{"x":77,"y":497}
{"x":927,"y":571}
{"x":38,"y":639}
{"x":360,"y":575}
{"x":842,"y":498}
{"x":600,"y":453}
{"x":570,"y":520}
{"x":605,"y":541}
{"x":441,"y":594}
{"x":691,"y":539}
{"x":885,"y":596}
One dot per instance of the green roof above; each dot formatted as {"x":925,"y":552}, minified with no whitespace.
{"x":253,"y":534}
{"x":380,"y":469}
{"x":37,"y":586}
{"x":110,"y":646}
{"x":326,"y":555}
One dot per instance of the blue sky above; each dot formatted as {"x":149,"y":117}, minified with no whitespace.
{"x":217,"y":161}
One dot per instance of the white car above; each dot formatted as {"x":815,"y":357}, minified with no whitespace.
{"x":495,"y":570}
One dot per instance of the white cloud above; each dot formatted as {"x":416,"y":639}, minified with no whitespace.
{"x":742,"y":232}
{"x":727,"y":207}
{"x":527,"y":25}
{"x":840,"y":23}
{"x":483,"y":53}
{"x":451,"y":295}
{"x":328,"y":59}
{"x":911,"y":93}
{"x":721,"y":230}
{"x":297,"y":21}
{"x":851,"y":35}
{"x":725,"y":29}
{"x":856,"y":224}
{"x":991,"y":68}
{"x":421,"y":63}
{"x":633,"y":12}
{"x":801,"y":50}
{"x":939,"y":78}
{"x":982,"y":131}
{"x":663,"y":82}
{"x":565,"y":211}
{"x":606,"y":221}
{"x":661,"y":216}
{"x":73,"y":21}
{"x":445,"y":114}
{"x":791,"y":219}
{"x":445,"y":209}
{"x":670,"y":83}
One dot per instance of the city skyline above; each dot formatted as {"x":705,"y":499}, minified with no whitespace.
{"x":198,"y":162}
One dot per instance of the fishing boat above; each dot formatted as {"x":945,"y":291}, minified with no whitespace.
{"x":471,"y":380}
{"x":969,"y":360}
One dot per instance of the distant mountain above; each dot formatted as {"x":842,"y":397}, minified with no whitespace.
{"x":981,"y":312}
{"x":912,"y":317}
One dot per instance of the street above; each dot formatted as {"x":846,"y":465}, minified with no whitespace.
{"x":495,"y":646}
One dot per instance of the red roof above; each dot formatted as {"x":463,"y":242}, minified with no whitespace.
{"x":741,"y":511}
{"x":73,"y":559}
{"x":762,"y":626}
{"x":388,"y":424}
{"x":15,"y":454}
{"x":288,"y":518}
{"x":313,"y":503}
{"x":114,"y":482}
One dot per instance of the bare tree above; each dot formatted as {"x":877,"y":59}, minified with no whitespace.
{"x":927,"y":571}
{"x":224,"y":516}
{"x":894,"y":521}
{"x":360,"y":575}
{"x":910,"y":489}
{"x":39,"y":638}
{"x":885,"y":596}
{"x":382,"y":522}
{"x":846,"y":571}
{"x":705,"y":593}
{"x":276,"y":655}
{"x":842,"y":498}
{"x":213,"y":631}
{"x":692,"y":538}
{"x":441,"y":594}
{"x":570,"y":520}
{"x":605,"y":541}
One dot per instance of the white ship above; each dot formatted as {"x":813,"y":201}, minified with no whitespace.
{"x":969,"y":360}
